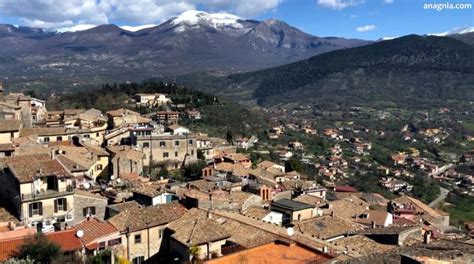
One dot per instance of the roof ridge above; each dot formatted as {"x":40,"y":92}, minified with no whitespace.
{"x":192,"y":230}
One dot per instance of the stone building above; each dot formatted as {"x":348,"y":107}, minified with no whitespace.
{"x":142,"y":229}
{"x":168,"y":151}
{"x":87,"y":204}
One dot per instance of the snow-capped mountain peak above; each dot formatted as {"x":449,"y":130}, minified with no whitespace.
{"x":462,"y":30}
{"x":194,"y":18}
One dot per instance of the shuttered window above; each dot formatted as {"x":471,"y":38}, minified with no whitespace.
{"x":35,"y":209}
{"x":88,"y":211}
{"x":60,"y":205}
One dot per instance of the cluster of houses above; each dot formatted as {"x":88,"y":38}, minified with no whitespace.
{"x":82,"y":177}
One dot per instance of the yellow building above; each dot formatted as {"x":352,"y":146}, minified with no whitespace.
{"x":9,"y":130}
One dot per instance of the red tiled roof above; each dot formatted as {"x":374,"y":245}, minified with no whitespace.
{"x":67,"y":240}
{"x":9,"y":247}
{"x":345,"y":189}
{"x":94,"y":229}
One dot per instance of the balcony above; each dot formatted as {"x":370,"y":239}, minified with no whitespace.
{"x":47,"y":194}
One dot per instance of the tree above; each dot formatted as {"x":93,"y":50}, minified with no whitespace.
{"x":230,"y":137}
{"x":103,"y":257}
{"x":194,"y":252}
{"x":31,"y":93}
{"x":294,"y":165}
{"x":40,"y":250}
{"x":194,"y":170}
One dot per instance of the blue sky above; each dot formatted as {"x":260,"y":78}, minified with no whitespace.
{"x":366,"y":19}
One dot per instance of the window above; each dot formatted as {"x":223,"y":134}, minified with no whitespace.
{"x":60,"y":205}
{"x":165,"y":155}
{"x":176,"y":143}
{"x":192,"y":152}
{"x":59,"y":138}
{"x":146,"y":145}
{"x":36,"y":209}
{"x":160,"y":233}
{"x":138,"y":239}
{"x":114,"y":242}
{"x":190,"y":142}
{"x":87,"y":136}
{"x":176,"y":153}
{"x":162,"y":144}
{"x":99,"y":167}
{"x":88,"y":211}
{"x":46,"y":139}
{"x":138,"y":260}
{"x":101,"y":245}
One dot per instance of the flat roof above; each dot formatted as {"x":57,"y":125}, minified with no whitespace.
{"x":291,"y":205}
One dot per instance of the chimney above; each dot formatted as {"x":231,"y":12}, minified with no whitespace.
{"x":1,"y":91}
{"x":211,"y":202}
{"x":332,"y":214}
{"x":325,"y":249}
{"x":427,"y":237}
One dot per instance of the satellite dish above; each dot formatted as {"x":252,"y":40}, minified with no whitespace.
{"x":79,"y":233}
{"x":290,"y":231}
{"x":118,"y":180}
{"x":113,"y":177}
{"x":87,"y":186}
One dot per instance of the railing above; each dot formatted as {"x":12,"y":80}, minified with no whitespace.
{"x":47,"y":194}
{"x":226,"y":250}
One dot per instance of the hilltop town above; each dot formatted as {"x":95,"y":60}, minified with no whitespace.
{"x":155,"y":177}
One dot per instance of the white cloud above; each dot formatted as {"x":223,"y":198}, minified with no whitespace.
{"x":339,"y":4}
{"x":388,"y":1}
{"x":245,"y":8}
{"x":55,"y":14}
{"x":365,"y":28}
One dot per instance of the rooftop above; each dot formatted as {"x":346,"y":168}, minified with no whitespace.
{"x":67,"y":240}
{"x":140,"y":218}
{"x":93,"y":229}
{"x":9,"y":125}
{"x":26,"y":168}
{"x":291,"y":205}
{"x":326,"y":227}
{"x":195,"y":228}
{"x":273,"y":253}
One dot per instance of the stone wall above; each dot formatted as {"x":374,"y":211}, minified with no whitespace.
{"x":83,"y":201}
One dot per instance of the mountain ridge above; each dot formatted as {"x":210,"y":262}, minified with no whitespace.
{"x":196,"y":42}
{"x":413,"y":68}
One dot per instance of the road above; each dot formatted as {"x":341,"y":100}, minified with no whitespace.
{"x":442,"y":195}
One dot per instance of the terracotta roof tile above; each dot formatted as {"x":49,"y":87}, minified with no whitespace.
{"x":9,"y":247}
{"x":140,"y":218}
{"x":10,"y":125}
{"x":326,"y":227}
{"x":195,"y":228}
{"x":94,"y":228}
{"x":256,"y":212}
{"x":27,"y":170}
{"x":67,"y":240}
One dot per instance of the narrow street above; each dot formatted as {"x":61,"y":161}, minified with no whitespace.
{"x":443,"y":193}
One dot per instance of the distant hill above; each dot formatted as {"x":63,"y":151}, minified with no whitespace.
{"x":467,"y":37}
{"x":192,"y":42}
{"x":411,"y":70}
